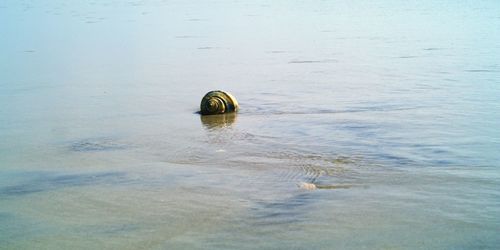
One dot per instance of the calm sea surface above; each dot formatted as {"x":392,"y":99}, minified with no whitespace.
{"x":393,"y":108}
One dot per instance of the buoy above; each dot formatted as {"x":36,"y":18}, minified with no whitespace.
{"x":218,"y":102}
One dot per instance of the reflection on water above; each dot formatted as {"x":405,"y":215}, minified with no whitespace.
{"x":363,"y":125}
{"x":218,"y":121}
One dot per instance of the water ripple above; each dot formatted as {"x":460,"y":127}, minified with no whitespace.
{"x":96,"y":144}
{"x":47,"y":181}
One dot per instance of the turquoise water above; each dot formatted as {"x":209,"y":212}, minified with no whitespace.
{"x":393,"y":106}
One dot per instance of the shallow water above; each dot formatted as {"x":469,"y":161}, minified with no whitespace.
{"x":391,"y":109}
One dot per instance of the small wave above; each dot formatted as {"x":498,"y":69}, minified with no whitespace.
{"x":312,"y":61}
{"x":96,"y":144}
{"x":47,"y":181}
{"x":480,"y":70}
{"x":268,"y":111}
{"x":432,"y":48}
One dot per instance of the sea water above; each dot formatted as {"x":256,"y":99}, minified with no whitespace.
{"x":390,"y":108}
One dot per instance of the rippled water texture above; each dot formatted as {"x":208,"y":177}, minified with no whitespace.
{"x":363,"y":125}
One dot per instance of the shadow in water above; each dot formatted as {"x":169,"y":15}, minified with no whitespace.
{"x":48,"y":181}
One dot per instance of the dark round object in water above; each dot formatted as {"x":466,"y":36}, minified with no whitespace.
{"x":218,"y":102}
